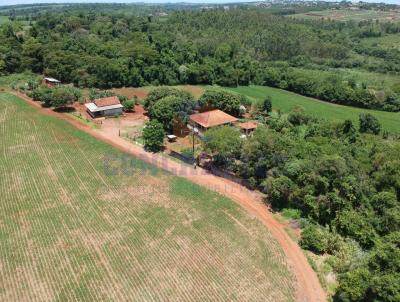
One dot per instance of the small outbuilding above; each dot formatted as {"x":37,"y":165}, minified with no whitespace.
{"x":209,"y":119}
{"x":248,"y":127}
{"x":51,"y":82}
{"x":109,"y":106}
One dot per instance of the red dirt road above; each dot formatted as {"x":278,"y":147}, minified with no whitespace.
{"x":308,"y":287}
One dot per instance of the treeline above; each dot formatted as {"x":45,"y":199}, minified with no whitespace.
{"x":342,"y":183}
{"x":238,"y":47}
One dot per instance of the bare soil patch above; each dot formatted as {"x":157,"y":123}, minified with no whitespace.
{"x":130,"y":92}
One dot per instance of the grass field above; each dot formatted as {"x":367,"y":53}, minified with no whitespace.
{"x":373,"y":80}
{"x":80,"y":221}
{"x":387,"y":41}
{"x":286,"y":101}
{"x":4,"y":19}
{"x":349,"y":14}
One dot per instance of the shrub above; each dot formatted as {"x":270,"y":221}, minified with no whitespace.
{"x":297,"y":116}
{"x":314,"y":238}
{"x":129,"y":105}
{"x":369,"y":124}
{"x":153,"y":135}
{"x":266,"y":105}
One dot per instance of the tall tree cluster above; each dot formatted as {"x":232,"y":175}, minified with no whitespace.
{"x":344,"y":182}
{"x":108,"y":48}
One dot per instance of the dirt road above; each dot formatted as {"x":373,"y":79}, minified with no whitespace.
{"x":308,"y":285}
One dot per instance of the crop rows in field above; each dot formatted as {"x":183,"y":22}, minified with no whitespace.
{"x":70,"y":231}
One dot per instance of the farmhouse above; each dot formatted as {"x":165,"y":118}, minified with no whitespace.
{"x":108,"y":106}
{"x":209,"y":119}
{"x":51,"y":82}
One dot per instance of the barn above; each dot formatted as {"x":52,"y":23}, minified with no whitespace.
{"x":109,"y":106}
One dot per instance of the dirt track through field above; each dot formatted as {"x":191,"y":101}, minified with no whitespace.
{"x":308,"y":286}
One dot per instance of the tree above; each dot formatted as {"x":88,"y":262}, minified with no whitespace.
{"x":223,"y":142}
{"x":171,"y":109}
{"x":369,"y":123}
{"x":64,"y":96}
{"x":153,"y":135}
{"x":279,"y":191}
{"x":267,"y":105}
{"x":387,"y":209}
{"x":353,"y":286}
{"x":159,"y":93}
{"x":225,"y":101}
{"x":32,"y":55}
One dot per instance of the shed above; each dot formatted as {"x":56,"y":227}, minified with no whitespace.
{"x":50,"y":82}
{"x":248,"y":127}
{"x":108,"y":106}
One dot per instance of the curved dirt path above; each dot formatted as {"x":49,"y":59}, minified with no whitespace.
{"x":308,"y":287}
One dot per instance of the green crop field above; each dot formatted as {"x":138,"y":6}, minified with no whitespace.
{"x":286,"y":101}
{"x":346,"y":14}
{"x":80,"y":221}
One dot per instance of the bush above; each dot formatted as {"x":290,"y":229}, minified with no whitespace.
{"x":291,"y":213}
{"x":297,"y":116}
{"x":314,"y":238}
{"x":266,"y":105}
{"x":153,"y":135}
{"x":129,"y":105}
{"x":369,"y":124}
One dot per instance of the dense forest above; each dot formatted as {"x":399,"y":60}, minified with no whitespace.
{"x":109,"y":48}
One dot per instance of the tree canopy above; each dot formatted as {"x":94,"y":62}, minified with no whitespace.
{"x":242,"y":46}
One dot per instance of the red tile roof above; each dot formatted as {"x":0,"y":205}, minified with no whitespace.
{"x":248,"y":125}
{"x":212,"y":118}
{"x":109,"y":101}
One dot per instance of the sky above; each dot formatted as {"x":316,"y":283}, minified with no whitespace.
{"x":11,"y":2}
